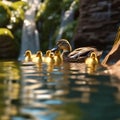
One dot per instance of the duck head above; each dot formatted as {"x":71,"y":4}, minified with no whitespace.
{"x":64,"y":45}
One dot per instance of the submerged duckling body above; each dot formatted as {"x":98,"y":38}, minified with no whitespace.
{"x":77,"y":55}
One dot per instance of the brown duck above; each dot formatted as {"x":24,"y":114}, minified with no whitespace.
{"x":77,"y":55}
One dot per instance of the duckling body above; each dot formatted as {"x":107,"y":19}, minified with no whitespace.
{"x":38,"y":58}
{"x":50,"y":59}
{"x":46,"y":56}
{"x":91,"y":61}
{"x":58,"y":58}
{"x":77,"y":55}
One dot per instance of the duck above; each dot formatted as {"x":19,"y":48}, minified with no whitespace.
{"x":76,"y":55}
{"x":28,"y":56}
{"x":38,"y":57}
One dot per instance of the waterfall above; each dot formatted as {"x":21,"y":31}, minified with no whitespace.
{"x":67,"y":17}
{"x":30,"y":35}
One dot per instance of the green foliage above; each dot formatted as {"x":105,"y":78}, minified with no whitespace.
{"x":5,"y":14}
{"x":69,"y":30}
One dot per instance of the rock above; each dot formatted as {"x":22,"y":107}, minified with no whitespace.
{"x":8,"y":46}
{"x":98,"y":23}
{"x":114,"y":54}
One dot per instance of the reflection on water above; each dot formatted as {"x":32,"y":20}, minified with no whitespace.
{"x":42,"y":92}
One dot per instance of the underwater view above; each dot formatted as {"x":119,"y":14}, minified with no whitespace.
{"x":67,"y":92}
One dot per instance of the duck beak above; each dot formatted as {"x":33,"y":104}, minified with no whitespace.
{"x":55,"y":49}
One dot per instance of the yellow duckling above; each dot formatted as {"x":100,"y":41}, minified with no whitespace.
{"x":58,"y":58}
{"x":50,"y":59}
{"x":28,"y":56}
{"x":38,"y":57}
{"x":46,"y":56}
{"x":91,"y":62}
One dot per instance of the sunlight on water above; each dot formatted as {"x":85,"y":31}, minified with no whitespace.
{"x":42,"y":92}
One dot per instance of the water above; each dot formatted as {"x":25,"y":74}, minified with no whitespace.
{"x":67,"y":92}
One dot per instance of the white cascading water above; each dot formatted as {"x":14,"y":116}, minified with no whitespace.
{"x":30,"y":35}
{"x":67,"y":17}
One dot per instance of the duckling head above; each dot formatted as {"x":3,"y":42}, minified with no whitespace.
{"x":93,"y":55}
{"x":28,"y":53}
{"x":39,"y":54}
{"x":64,"y":45}
{"x":48,"y":53}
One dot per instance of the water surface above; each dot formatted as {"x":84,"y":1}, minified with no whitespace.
{"x":67,"y":92}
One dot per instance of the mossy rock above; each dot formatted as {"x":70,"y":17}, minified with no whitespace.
{"x":8,"y":46}
{"x":5,"y":14}
{"x":17,"y":14}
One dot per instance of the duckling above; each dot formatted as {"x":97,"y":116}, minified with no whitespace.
{"x":91,"y":63}
{"x":28,"y":56}
{"x":47,"y":55}
{"x":58,"y":58}
{"x":77,"y":55}
{"x":38,"y":57}
{"x":50,"y":59}
{"x":92,"y":60}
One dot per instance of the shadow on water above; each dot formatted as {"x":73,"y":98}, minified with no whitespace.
{"x":67,"y":92}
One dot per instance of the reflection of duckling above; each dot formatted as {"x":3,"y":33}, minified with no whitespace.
{"x":91,"y":62}
{"x":38,"y":57}
{"x":58,"y":58}
{"x":28,"y":56}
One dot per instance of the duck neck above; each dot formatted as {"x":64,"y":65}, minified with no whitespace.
{"x":65,"y":55}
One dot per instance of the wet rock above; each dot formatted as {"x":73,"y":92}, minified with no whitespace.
{"x":114,"y":54}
